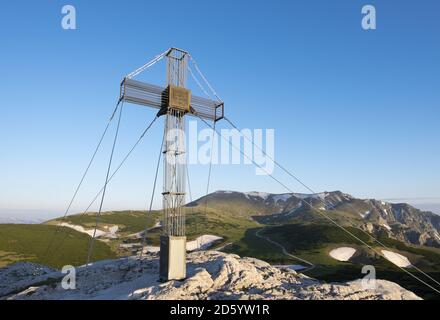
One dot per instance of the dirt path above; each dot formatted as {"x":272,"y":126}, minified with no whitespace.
{"x":284,"y":251}
{"x":223,"y":246}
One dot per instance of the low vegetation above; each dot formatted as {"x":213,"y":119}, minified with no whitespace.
{"x":47,"y":244}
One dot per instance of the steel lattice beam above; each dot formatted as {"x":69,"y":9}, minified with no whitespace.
{"x":150,"y":95}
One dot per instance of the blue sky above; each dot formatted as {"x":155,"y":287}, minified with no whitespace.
{"x":353,"y":110}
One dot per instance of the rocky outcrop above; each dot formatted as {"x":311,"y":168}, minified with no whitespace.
{"x":211,"y":275}
{"x":21,"y":275}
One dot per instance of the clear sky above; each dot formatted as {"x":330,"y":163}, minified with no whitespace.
{"x":353,"y":110}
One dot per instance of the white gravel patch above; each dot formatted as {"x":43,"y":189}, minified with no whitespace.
{"x":342,"y":254}
{"x":397,"y":259}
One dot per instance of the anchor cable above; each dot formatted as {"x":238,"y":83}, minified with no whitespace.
{"x":209,"y":173}
{"x":144,"y":238}
{"x":111,"y":177}
{"x":92,"y":241}
{"x":81,"y":181}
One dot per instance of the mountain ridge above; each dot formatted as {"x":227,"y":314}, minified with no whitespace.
{"x":399,"y":220}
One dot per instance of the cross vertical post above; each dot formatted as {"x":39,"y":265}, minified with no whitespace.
{"x":173,"y":240}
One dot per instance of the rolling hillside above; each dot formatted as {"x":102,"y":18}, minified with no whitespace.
{"x":19,"y":242}
{"x":285,"y":229}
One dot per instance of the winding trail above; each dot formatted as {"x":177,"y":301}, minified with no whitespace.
{"x":284,"y":251}
{"x":221,"y":247}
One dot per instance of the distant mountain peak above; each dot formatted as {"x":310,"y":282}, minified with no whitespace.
{"x":400,"y":221}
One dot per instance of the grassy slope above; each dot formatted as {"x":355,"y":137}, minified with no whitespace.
{"x":344,"y":218}
{"x":198,"y":222}
{"x":129,"y":221}
{"x":235,"y":204}
{"x":19,"y":242}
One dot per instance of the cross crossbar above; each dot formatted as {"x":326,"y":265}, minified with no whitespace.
{"x":150,"y":95}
